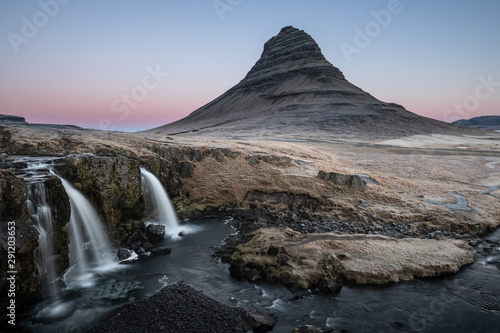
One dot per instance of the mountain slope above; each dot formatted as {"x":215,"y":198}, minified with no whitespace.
{"x":293,"y":91}
{"x":484,"y":122}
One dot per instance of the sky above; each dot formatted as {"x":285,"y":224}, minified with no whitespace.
{"x":134,"y":65}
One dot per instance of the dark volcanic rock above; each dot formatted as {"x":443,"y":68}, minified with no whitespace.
{"x":253,"y":276}
{"x":161,"y":250}
{"x":261,"y":321}
{"x":16,"y":222}
{"x":58,"y":201}
{"x":124,"y":254}
{"x":293,"y":91}
{"x":155,"y":232}
{"x":177,"y":308}
{"x":306,"y":329}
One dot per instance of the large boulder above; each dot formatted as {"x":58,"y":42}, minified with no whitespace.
{"x":355,"y":181}
{"x":155,"y":232}
{"x":126,"y":255}
{"x":358,"y":183}
{"x":261,"y":321}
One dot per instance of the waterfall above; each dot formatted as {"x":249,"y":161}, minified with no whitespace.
{"x":41,"y":216}
{"x":90,"y":250}
{"x":156,"y":196}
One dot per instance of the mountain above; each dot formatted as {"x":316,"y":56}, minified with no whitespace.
{"x":293,"y":91}
{"x":484,"y":122}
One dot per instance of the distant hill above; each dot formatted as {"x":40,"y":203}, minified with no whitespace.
{"x":483,"y":122}
{"x":9,"y":120}
{"x":294,"y":92}
{"x":6,"y":118}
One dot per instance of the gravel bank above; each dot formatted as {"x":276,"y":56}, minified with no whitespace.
{"x":176,"y":308}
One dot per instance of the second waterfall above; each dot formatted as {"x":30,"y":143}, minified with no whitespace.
{"x":156,"y":197}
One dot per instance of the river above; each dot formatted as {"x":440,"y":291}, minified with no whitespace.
{"x":466,"y":302}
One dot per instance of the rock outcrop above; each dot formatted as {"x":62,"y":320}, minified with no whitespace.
{"x":112,"y":184}
{"x":10,"y":119}
{"x":293,"y":91}
{"x":272,"y":255}
{"x":58,"y":202}
{"x":321,"y":262}
{"x":355,"y":181}
{"x":16,"y":222}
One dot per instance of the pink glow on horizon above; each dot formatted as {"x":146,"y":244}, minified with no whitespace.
{"x":155,"y":112}
{"x":90,"y":106}
{"x":44,"y":106}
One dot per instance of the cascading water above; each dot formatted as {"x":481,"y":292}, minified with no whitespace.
{"x":41,"y":216}
{"x":90,"y":250}
{"x":155,"y":195}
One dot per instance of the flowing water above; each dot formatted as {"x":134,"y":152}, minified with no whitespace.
{"x":90,"y":250}
{"x":41,"y":214}
{"x":157,"y":200}
{"x":34,"y":171}
{"x":465,"y":302}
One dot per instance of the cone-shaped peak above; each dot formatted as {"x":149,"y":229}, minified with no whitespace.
{"x":293,"y":91}
{"x":290,"y":39}
{"x":292,"y":50}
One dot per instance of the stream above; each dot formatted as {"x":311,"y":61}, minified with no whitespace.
{"x":466,"y":302}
